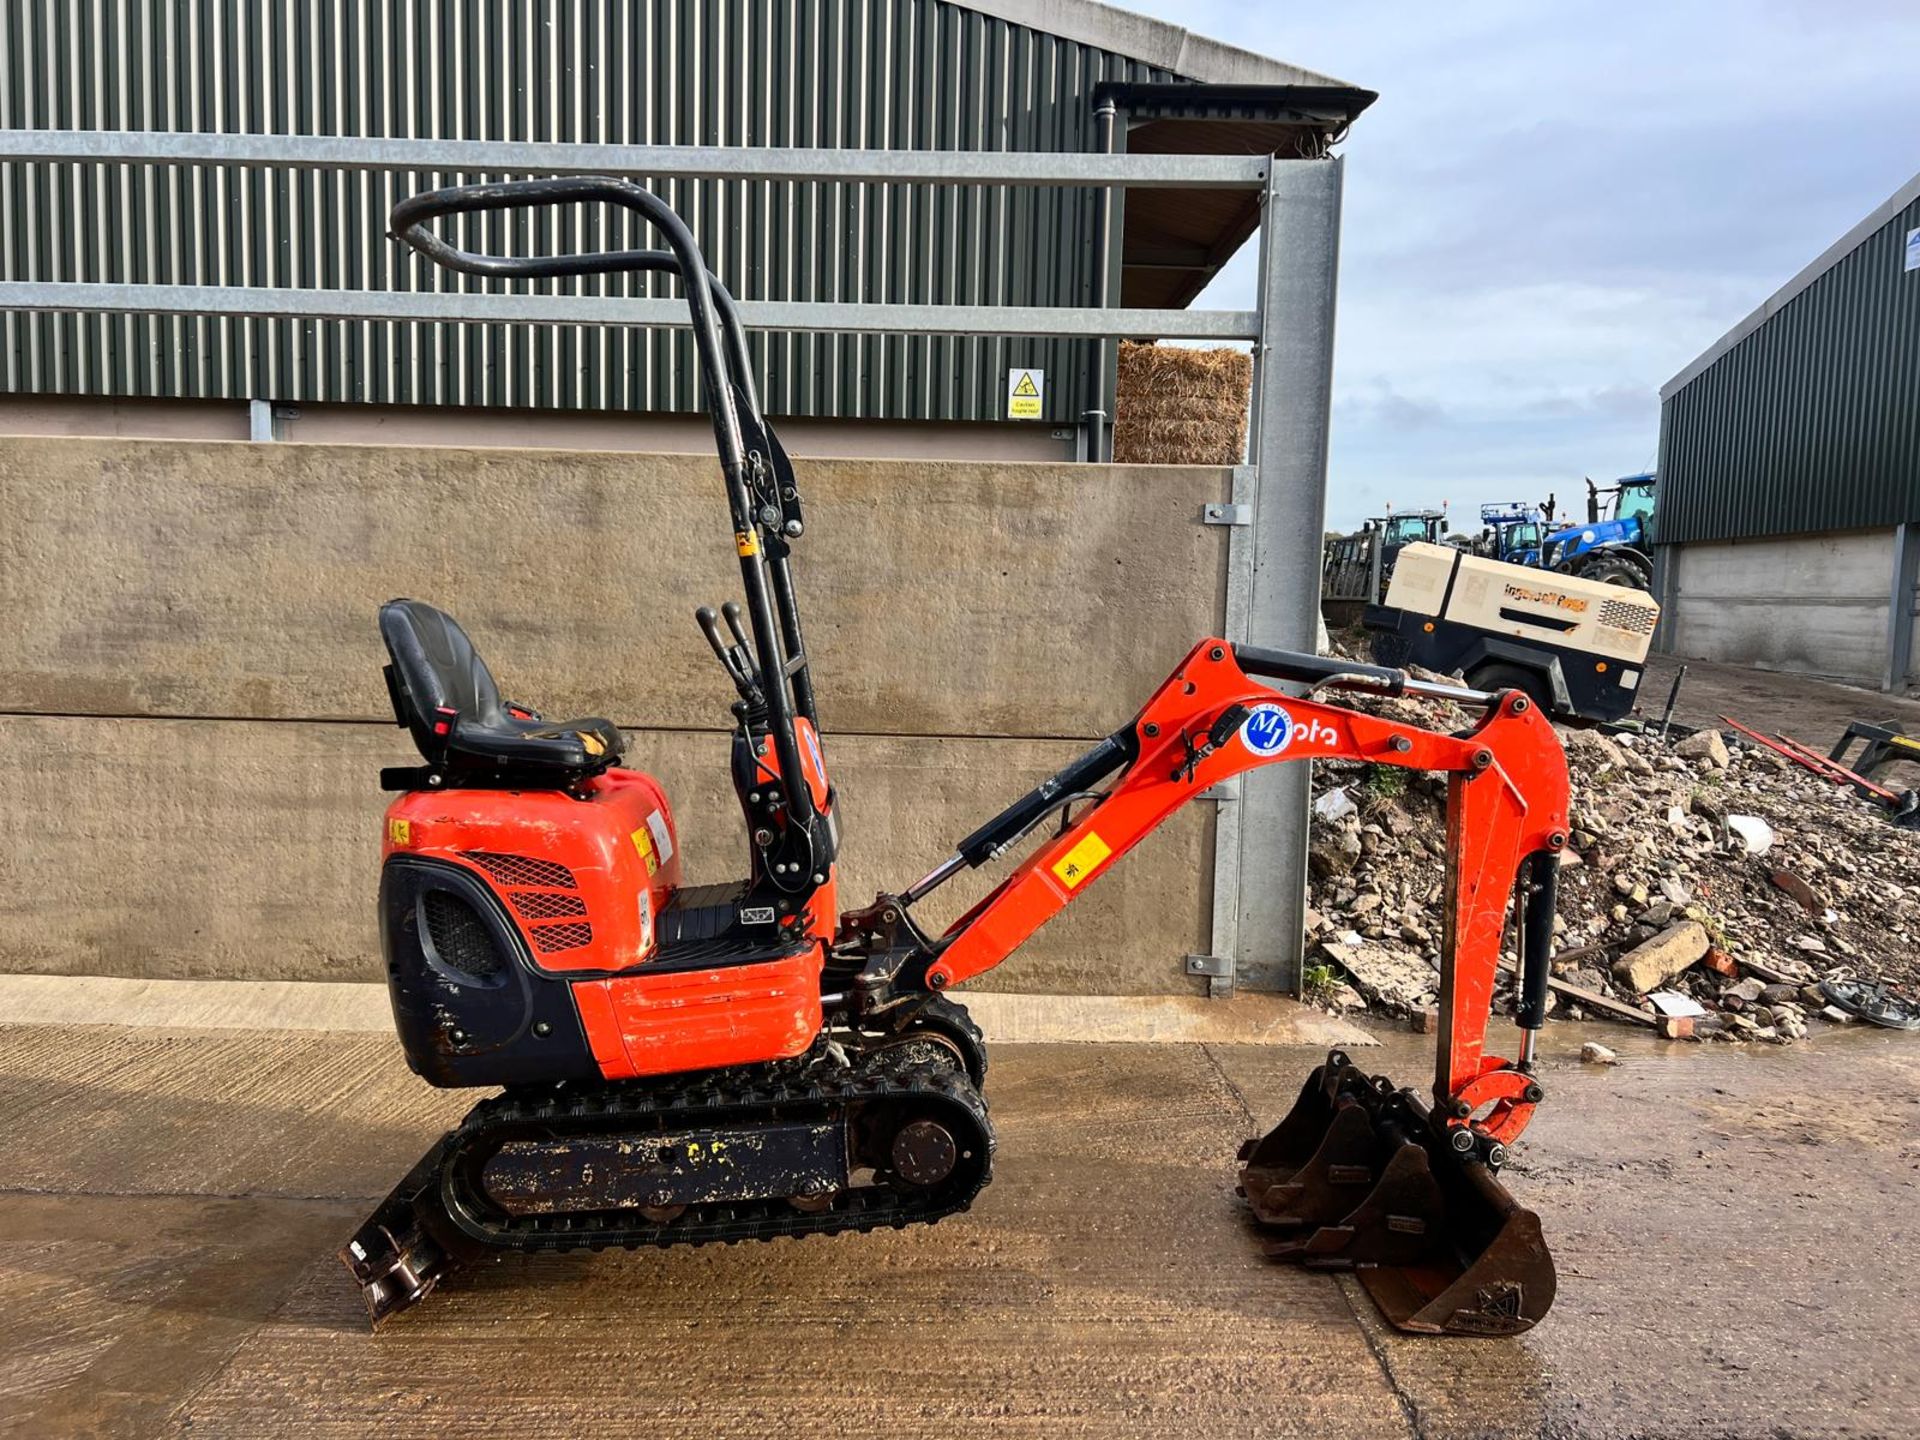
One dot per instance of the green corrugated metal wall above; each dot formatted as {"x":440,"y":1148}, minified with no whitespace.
{"x":907,"y":74}
{"x":1812,"y":422}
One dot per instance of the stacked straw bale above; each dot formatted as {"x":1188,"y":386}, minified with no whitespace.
{"x":1179,"y":406}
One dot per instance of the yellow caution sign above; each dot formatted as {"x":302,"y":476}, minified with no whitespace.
{"x":1026,"y":391}
{"x":1081,"y":861}
{"x":643,"y":842}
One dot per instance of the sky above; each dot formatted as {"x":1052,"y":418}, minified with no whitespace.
{"x":1554,"y":207}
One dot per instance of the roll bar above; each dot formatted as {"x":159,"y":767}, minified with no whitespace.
{"x":411,"y":217}
{"x":747,"y":448}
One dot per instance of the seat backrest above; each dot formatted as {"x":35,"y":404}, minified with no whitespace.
{"x":435,"y":668}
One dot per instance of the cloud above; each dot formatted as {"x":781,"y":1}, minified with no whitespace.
{"x":1552,"y":208}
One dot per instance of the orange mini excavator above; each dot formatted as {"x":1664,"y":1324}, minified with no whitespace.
{"x":685,"y":1064}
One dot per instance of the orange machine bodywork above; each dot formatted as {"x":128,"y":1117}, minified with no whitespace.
{"x":584,"y":880}
{"x":584,"y":877}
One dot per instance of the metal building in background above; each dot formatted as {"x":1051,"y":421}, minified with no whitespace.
{"x":1789,"y":509}
{"x":992,"y":75}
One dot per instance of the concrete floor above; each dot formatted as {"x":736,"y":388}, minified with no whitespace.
{"x":1735,"y":1232}
{"x":1814,"y":712}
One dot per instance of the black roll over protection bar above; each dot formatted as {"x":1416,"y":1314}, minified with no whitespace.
{"x":747,"y":446}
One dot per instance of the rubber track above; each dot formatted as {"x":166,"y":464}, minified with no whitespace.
{"x":717,"y":1100}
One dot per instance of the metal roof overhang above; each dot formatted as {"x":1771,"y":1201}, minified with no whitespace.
{"x":1175,"y":241}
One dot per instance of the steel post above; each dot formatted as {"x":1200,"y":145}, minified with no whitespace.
{"x":260,"y":422}
{"x":1901,"y":605}
{"x":1292,"y":400}
{"x":1099,"y":410}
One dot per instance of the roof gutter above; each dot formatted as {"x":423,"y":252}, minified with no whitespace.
{"x":1168,"y":47}
{"x":1335,"y":105}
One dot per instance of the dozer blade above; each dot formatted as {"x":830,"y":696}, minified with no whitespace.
{"x":407,"y":1245}
{"x":1358,"y":1176}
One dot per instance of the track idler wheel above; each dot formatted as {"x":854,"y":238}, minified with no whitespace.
{"x":1362,"y":1176}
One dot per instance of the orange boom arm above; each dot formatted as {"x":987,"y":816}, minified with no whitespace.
{"x":1506,"y":808}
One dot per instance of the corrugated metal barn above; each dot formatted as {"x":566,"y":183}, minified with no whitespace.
{"x":907,"y":74}
{"x":1789,"y":511}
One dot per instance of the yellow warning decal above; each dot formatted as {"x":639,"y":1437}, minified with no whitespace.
{"x":1082,"y":860}
{"x":746,"y":542}
{"x":643,"y":842}
{"x":1026,"y":392}
{"x":400,"y":832}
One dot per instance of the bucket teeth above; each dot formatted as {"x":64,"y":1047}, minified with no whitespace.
{"x":1357,"y":1176}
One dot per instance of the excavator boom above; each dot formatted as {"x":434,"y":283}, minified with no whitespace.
{"x":1361,"y":1173}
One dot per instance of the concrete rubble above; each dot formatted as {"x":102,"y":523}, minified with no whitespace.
{"x":1709,"y":868}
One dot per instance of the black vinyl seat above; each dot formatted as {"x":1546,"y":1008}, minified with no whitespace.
{"x":444,"y":694}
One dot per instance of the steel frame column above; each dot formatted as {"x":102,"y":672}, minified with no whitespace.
{"x":1292,"y":402}
{"x":1666,"y":564}
{"x":1902,"y":603}
{"x":1097,"y":418}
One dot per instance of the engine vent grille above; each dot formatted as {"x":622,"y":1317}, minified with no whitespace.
{"x":549,"y":938}
{"x":523,"y":870}
{"x":1619,"y":615}
{"x":545,"y":904}
{"x":459,"y":939}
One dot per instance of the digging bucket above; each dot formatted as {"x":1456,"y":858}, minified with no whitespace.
{"x":1321,"y":1161}
{"x":1359,"y":1176}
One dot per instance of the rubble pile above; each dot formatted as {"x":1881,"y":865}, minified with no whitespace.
{"x":1708,"y":889}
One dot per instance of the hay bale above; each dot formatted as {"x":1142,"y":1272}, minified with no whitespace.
{"x":1178,"y":406}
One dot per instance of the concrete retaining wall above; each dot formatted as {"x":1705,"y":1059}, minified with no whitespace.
{"x":193,"y":713}
{"x":1811,"y":604}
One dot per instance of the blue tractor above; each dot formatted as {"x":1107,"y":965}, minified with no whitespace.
{"x":1614,"y":546}
{"x":1510,"y":532}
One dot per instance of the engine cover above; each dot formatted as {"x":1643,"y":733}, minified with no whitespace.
{"x":581,"y":879}
{"x":469,"y":1004}
{"x":493,"y":902}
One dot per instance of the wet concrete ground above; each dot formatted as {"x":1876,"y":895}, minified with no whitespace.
{"x":1815,"y":712}
{"x":1735,"y":1229}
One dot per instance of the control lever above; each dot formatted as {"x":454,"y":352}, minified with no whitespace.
{"x":732,"y":658}
{"x":731,"y":610}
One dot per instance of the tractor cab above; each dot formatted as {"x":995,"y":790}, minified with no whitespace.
{"x":1396,"y":532}
{"x":1633,"y":500}
{"x":1615,"y":545}
{"x":1510,"y":532}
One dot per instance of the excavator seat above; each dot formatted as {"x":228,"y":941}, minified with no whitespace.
{"x":446,"y":697}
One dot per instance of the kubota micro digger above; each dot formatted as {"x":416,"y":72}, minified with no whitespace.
{"x":683,"y":1065}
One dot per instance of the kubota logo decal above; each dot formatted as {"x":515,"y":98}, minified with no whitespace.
{"x":1267,"y":730}
{"x":1270,"y":729}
